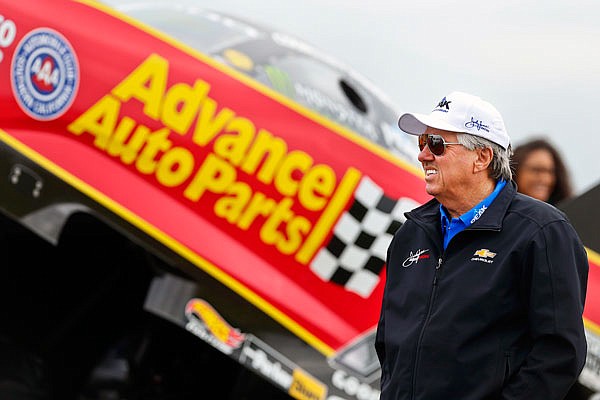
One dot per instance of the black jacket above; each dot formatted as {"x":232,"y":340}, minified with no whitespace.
{"x":498,"y":315}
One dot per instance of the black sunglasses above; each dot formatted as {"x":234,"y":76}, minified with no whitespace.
{"x":436,"y":143}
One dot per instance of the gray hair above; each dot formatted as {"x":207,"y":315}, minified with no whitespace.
{"x":500,"y":165}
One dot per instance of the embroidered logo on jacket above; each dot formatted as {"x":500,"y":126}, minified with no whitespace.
{"x":483,"y":255}
{"x":478,"y":214}
{"x":414,"y":258}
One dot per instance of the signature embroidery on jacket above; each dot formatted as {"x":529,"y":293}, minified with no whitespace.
{"x":414,"y":258}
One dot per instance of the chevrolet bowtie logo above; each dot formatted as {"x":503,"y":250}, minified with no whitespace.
{"x":485,"y":253}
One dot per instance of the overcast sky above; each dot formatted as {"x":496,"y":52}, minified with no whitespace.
{"x":537,"y":61}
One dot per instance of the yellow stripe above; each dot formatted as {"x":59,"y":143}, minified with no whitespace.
{"x":593,"y":256}
{"x":591,"y":326}
{"x":179,"y":248}
{"x":329,"y":216}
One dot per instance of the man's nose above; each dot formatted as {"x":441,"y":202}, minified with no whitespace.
{"x":425,"y":154}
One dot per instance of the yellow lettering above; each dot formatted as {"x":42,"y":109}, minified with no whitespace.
{"x":214,"y":175}
{"x":230,"y":207}
{"x":181,"y":104}
{"x":238,"y":144}
{"x":175,"y":167}
{"x":147,"y":83}
{"x":132,"y":148}
{"x":124,"y":129}
{"x":296,"y":230}
{"x":316,"y":187}
{"x":156,"y":141}
{"x":207,"y":125}
{"x":99,"y":121}
{"x":282,"y":213}
{"x":265,"y":145}
{"x":233,"y":147}
{"x":259,"y":205}
{"x":295,"y":161}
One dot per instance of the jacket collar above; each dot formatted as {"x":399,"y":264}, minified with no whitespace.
{"x":491,"y":219}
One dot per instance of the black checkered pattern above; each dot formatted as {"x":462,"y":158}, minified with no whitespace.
{"x":355,"y":255}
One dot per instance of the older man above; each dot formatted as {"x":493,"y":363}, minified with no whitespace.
{"x":485,"y":287}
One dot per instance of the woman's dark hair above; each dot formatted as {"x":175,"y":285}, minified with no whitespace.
{"x":562,"y":187}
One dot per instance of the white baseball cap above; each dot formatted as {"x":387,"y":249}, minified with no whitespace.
{"x":460,"y":112}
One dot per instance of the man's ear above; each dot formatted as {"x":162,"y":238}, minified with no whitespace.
{"x":483,"y":160}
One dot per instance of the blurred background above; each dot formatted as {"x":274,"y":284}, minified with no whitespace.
{"x":537,"y":62}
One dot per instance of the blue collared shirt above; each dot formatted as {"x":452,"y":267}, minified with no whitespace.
{"x":450,"y":227}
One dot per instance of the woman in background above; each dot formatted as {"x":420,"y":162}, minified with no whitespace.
{"x":540,"y":172}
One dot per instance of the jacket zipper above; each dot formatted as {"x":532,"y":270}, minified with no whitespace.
{"x":431,"y":297}
{"x":425,"y":320}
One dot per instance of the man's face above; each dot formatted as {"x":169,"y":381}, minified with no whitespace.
{"x":450,"y":175}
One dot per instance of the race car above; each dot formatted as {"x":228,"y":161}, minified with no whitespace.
{"x":193,"y":206}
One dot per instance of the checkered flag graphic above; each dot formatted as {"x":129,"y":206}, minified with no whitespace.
{"x":356,"y":253}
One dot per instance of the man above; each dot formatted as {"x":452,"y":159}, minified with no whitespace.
{"x":485,"y":286}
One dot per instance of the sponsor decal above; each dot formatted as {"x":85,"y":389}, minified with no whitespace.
{"x":414,"y":258}
{"x":306,"y":387}
{"x":243,"y":172}
{"x":8,"y":31}
{"x":484,"y":255}
{"x":478,"y":213}
{"x":44,"y":74}
{"x":269,"y":363}
{"x":352,"y":386}
{"x":206,"y":323}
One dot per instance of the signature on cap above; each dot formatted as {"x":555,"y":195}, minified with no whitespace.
{"x":474,"y":123}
